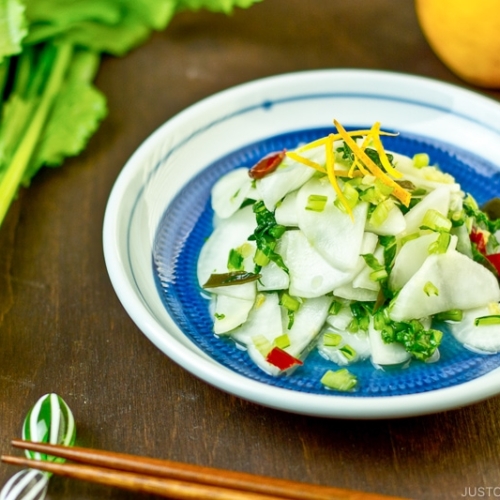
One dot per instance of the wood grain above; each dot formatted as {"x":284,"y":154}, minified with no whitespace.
{"x":63,"y":330}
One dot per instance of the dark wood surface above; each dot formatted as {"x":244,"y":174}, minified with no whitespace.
{"x":63,"y":330}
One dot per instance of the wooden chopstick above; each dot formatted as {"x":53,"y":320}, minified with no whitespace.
{"x":177,"y":480}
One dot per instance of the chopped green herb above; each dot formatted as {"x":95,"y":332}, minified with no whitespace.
{"x":289,"y":302}
{"x":349,"y":352}
{"x":351,"y":196}
{"x":451,"y":315}
{"x":266,"y":235}
{"x":441,"y":244}
{"x":316,"y":202}
{"x":219,"y":316}
{"x":340,"y":380}
{"x":381,"y":212}
{"x":235,"y":260}
{"x":335,"y":307}
{"x":283,"y":341}
{"x":435,"y":221}
{"x":262,"y":344}
{"x":493,"y":319}
{"x":430,"y":289}
{"x":331,"y":339}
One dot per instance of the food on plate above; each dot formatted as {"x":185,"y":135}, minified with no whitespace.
{"x":358,"y":252}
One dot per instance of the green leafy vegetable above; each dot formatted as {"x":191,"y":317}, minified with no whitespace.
{"x":49,"y":55}
{"x":420,"y":342}
{"x":266,"y":235}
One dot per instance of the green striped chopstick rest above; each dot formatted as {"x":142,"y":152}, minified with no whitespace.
{"x":49,"y":421}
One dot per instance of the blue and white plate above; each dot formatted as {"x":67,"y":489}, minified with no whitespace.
{"x":159,"y":215}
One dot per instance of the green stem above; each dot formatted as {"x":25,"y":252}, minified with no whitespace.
{"x":20,"y":159}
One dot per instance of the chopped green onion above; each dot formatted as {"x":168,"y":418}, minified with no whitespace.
{"x":260,"y":258}
{"x":335,"y":307}
{"x":353,"y":326}
{"x":381,"y":212}
{"x":421,"y":160}
{"x":289,"y":302}
{"x":351,"y":196}
{"x":266,"y":235}
{"x":349,"y":352}
{"x":340,"y":380}
{"x":331,"y":339}
{"x":494,"y":319}
{"x":430,"y":289}
{"x":383,"y":188}
{"x":219,"y":316}
{"x":441,"y":244}
{"x":471,"y":203}
{"x":379,"y":274}
{"x":451,"y":315}
{"x":457,"y":218}
{"x":435,"y":221}
{"x":235,"y":260}
{"x":283,"y":341}
{"x":316,"y":202}
{"x":262,"y":344}
{"x":373,"y":195}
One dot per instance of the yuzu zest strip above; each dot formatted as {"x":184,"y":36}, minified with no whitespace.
{"x":305,"y":161}
{"x":400,"y":193}
{"x":330,"y":170}
{"x":375,"y":135}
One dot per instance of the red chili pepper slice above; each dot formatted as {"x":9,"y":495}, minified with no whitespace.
{"x":267,"y":164}
{"x":280,"y":358}
{"x":494,"y":260}
{"x":478,"y":239}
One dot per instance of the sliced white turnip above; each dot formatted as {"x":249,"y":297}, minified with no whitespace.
{"x":342,"y":319}
{"x":484,"y":338}
{"x":288,"y":177}
{"x":444,"y":282}
{"x":331,"y":232}
{"x":230,"y":233}
{"x":362,"y":279}
{"x":230,"y":312}
{"x":286,"y":211}
{"x":310,"y":274}
{"x":348,"y":292}
{"x":263,"y":319}
{"x":429,"y":177}
{"x":229,"y":192}
{"x":307,"y":324}
{"x":358,"y":342}
{"x":411,"y":257}
{"x":438,"y":200}
{"x":394,"y":224}
{"x":273,"y":278}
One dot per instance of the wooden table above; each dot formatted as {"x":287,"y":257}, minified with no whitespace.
{"x":63,"y":330}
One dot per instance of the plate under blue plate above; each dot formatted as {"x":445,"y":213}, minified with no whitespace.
{"x":187,"y":222}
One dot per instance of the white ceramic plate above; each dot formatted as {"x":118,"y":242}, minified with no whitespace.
{"x":161,"y":194}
